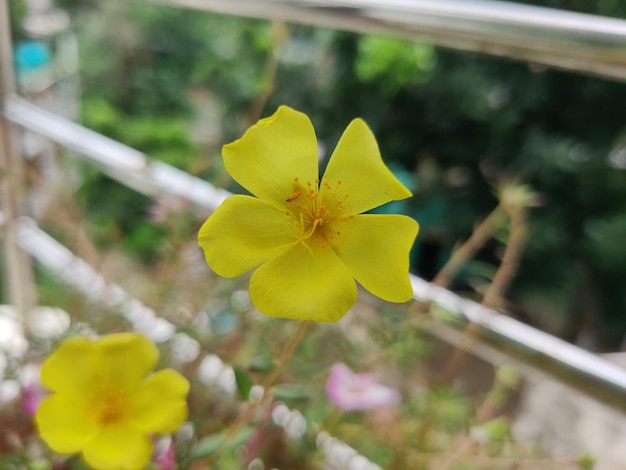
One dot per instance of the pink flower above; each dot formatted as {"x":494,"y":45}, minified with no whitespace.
{"x":165,"y":455}
{"x":358,"y":392}
{"x":31,"y":397}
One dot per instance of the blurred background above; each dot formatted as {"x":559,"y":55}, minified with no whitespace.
{"x":454,"y":126}
{"x":177,"y":84}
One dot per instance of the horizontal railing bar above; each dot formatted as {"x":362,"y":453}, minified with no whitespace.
{"x":562,"y":39}
{"x":579,"y":368}
{"x":117,"y":160}
{"x":101,"y":150}
{"x":77,"y":273}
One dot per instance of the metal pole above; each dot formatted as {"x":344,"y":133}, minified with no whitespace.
{"x":18,"y":282}
{"x":567,"y":40}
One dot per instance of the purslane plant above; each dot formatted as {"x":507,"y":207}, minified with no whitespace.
{"x":309,"y":241}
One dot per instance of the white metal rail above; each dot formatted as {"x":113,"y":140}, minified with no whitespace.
{"x":566,"y":40}
{"x":117,"y":160}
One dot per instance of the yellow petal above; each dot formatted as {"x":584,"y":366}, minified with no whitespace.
{"x":121,"y":359}
{"x":357,"y":163}
{"x":71,"y":367}
{"x":375,"y":248}
{"x":125,"y":359}
{"x":119,"y":446}
{"x":272,"y":153}
{"x":63,"y":423}
{"x":243,"y":233}
{"x":160,"y":405}
{"x":304,"y":284}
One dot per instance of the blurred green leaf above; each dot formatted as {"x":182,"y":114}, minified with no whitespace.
{"x":290,"y":392}
{"x":497,"y":429}
{"x":508,"y":376}
{"x":39,"y":464}
{"x":394,"y":61}
{"x":209,"y":445}
{"x":586,"y":462}
{"x":244,"y":383}
{"x":262,"y":363}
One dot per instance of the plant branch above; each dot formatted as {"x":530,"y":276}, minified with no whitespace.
{"x":468,"y":249}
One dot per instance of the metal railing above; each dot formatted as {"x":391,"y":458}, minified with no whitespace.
{"x":566,"y":40}
{"x":588,"y":372}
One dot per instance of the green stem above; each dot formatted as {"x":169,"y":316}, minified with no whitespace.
{"x":283,"y":357}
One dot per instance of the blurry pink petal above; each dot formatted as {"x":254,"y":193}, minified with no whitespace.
{"x":31,"y":397}
{"x":165,"y":458}
{"x":358,"y":392}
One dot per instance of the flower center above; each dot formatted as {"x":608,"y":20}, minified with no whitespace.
{"x":110,"y":407}
{"x":315,"y":210}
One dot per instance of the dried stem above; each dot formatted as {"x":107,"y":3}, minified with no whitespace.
{"x":475,"y":242}
{"x":280,"y":34}
{"x":510,"y":260}
{"x":501,"y":281}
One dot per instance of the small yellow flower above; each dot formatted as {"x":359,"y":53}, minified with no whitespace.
{"x":309,"y":238}
{"x":105,"y":401}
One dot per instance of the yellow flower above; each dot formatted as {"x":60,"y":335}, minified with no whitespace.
{"x":309,"y":238}
{"x":106,"y":403}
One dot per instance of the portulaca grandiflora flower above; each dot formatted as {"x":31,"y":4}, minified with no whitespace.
{"x":107,"y":403}
{"x":350,"y":391}
{"x":308,"y":237}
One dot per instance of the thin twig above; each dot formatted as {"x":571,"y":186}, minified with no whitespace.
{"x":468,"y":249}
{"x":510,"y":260}
{"x":280,"y":34}
{"x":500,"y":284}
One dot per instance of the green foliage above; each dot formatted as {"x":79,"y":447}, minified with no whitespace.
{"x":586,"y":462}
{"x":117,"y":213}
{"x":498,"y":429}
{"x":244,"y":382}
{"x":162,"y":138}
{"x":289,"y":392}
{"x":17,"y":12}
{"x":262,"y":363}
{"x":394,"y":62}
{"x":444,"y":408}
{"x":613,"y":8}
{"x":145,"y":240}
{"x":222,"y":442}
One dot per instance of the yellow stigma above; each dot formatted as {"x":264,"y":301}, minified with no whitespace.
{"x":315,"y":210}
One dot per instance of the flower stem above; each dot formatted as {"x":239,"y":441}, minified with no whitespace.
{"x":283,"y":357}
